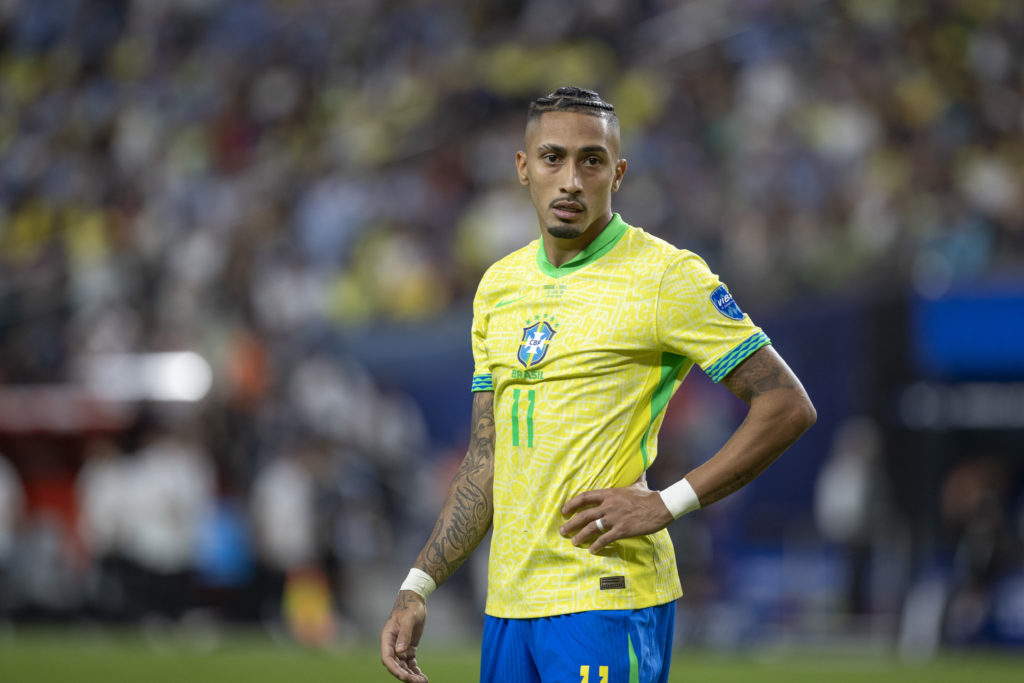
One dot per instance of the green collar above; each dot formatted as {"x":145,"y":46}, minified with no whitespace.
{"x":601,"y":245}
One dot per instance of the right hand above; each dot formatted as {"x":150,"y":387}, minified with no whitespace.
{"x":401,"y":636}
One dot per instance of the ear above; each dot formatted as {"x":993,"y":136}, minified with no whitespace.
{"x":620,"y":170}
{"x":524,"y":178}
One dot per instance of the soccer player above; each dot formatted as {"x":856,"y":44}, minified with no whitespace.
{"x":579,"y":341}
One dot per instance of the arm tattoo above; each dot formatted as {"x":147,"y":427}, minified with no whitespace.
{"x":760,"y":373}
{"x":469,"y":506}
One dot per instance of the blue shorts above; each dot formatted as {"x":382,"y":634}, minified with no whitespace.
{"x":605,"y":646}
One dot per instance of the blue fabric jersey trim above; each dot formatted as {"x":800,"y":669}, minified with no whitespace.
{"x":724,"y":365}
{"x":483,"y":383}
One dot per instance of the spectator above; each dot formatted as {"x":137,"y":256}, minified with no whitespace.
{"x":12,"y":503}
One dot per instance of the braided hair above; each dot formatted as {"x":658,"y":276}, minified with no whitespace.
{"x":573,"y":99}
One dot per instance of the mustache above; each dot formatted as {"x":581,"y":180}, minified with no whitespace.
{"x":567,"y":200}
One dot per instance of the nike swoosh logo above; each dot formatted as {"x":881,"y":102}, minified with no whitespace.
{"x":508,"y":301}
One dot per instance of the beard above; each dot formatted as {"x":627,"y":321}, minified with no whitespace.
{"x":564,"y":232}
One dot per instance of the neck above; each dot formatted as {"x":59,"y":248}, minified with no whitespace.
{"x":561,"y":250}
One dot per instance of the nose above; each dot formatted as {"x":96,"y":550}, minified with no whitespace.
{"x":571,"y":180}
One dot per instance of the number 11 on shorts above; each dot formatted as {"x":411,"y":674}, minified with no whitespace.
{"x":602,"y":671}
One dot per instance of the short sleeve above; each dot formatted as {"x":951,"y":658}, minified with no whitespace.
{"x":699,"y":319}
{"x":482,"y":378}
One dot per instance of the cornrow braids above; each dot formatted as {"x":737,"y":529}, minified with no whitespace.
{"x":573,"y":99}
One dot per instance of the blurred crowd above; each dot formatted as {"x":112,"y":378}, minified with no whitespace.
{"x":244,"y":178}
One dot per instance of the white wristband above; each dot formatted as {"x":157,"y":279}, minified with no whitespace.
{"x":419,"y":582}
{"x":680,"y":498}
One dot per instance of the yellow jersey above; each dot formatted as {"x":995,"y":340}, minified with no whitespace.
{"x":582,"y":360}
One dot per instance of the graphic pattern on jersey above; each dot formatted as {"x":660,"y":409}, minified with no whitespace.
{"x":578,"y":403}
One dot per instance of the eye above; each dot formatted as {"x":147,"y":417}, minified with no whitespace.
{"x":592,"y":161}
{"x":550,"y":158}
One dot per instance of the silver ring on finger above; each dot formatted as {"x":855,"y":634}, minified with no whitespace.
{"x":600,"y":525}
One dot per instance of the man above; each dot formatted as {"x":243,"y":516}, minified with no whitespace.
{"x":579,"y":341}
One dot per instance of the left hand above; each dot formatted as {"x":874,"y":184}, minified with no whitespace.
{"x":401,"y":636}
{"x":624,"y":513}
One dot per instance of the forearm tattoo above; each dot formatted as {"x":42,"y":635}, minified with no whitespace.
{"x":469,"y":506}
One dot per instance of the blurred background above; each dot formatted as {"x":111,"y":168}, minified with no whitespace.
{"x":239,"y":241}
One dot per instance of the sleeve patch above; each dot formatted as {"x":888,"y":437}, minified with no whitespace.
{"x":725,"y":304}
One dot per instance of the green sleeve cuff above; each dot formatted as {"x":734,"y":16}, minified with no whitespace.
{"x":483,"y":382}
{"x":724,"y":365}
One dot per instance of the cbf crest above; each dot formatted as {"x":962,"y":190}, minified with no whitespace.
{"x":537,"y":336}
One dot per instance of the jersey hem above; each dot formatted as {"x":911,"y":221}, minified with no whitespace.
{"x":558,"y":610}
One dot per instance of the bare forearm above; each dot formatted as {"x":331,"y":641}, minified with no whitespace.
{"x":469,"y":506}
{"x":761,"y":439}
{"x":780,"y":411}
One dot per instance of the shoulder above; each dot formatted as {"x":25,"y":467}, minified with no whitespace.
{"x":506,"y":274}
{"x":679,"y":275}
{"x":661,"y":255}
{"x":512,"y":266}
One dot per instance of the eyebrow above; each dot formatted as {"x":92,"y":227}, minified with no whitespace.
{"x":558,"y":149}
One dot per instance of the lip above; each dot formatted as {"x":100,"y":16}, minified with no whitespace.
{"x":567,"y":211}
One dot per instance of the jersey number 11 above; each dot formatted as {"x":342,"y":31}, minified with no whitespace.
{"x":531,"y":398}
